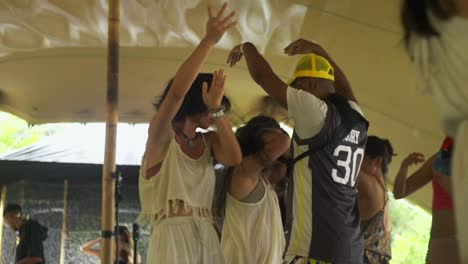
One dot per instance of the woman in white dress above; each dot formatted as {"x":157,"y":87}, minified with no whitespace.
{"x":252,"y":230}
{"x":177,"y":178}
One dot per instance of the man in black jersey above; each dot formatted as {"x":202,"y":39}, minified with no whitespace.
{"x":329,"y":137}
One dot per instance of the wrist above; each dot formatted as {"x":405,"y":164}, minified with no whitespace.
{"x":213,"y":107}
{"x":244,"y":46}
{"x":207,"y":43}
{"x":216,"y":112}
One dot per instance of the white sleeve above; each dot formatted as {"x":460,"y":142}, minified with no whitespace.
{"x":307,"y":111}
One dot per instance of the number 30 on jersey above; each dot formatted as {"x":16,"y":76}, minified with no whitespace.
{"x":351,"y":164}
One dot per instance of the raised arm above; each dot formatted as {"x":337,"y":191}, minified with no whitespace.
{"x":260,"y":71}
{"x":302,"y":46}
{"x":160,"y":131}
{"x":87,"y":248}
{"x":223,"y":142}
{"x":404,"y":186}
{"x":216,"y":26}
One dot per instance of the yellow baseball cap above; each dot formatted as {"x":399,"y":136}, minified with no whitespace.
{"x":313,"y":65}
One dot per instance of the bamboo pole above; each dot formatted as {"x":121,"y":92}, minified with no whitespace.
{"x":2,"y":206}
{"x":64,"y":222}
{"x":108,"y":183}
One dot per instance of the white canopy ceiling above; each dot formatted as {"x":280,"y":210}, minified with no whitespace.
{"x":53,"y":59}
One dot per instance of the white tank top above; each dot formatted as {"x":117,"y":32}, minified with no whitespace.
{"x":180,"y":178}
{"x":253,"y":232}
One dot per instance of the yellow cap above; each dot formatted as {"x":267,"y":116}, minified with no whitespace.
{"x":313,"y":65}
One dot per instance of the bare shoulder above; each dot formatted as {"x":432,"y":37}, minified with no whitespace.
{"x":156,"y":149}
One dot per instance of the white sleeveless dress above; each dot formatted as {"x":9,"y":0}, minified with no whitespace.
{"x":253,"y":232}
{"x":188,"y":239}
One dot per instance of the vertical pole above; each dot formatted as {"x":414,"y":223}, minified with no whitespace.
{"x":2,"y":206}
{"x":108,"y":183}
{"x":64,"y":222}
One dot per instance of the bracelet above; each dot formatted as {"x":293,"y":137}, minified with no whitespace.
{"x":217,"y":109}
{"x":242,"y":48}
{"x":217,"y":113}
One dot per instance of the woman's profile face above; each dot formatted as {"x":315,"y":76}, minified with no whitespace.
{"x":367,"y":166}
{"x":203,"y":120}
{"x":123,"y":238}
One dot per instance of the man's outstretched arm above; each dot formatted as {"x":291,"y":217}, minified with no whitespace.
{"x":261,"y":71}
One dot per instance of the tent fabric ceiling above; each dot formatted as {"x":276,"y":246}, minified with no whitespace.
{"x":53,"y":59}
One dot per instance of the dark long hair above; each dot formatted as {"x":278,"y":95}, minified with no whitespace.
{"x":415,"y":17}
{"x":380,"y":147}
{"x":193,"y":101}
{"x":12,"y":208}
{"x":124,"y":252}
{"x":250,"y":141}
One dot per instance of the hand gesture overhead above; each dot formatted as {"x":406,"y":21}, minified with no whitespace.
{"x":213,"y":96}
{"x":218,"y":24}
{"x":413,"y":159}
{"x":235,"y":55}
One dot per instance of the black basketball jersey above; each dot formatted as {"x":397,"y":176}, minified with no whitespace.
{"x":334,"y":158}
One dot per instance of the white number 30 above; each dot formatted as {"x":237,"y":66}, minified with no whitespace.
{"x":346,"y":164}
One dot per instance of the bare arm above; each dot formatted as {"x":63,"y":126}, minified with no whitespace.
{"x":87,"y":248}
{"x":260,"y":71}
{"x":403,"y":186}
{"x":160,"y":126}
{"x":302,"y":46}
{"x":364,"y":185}
{"x":223,"y":142}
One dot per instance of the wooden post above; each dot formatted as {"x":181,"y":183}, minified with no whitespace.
{"x":64,"y":222}
{"x":108,"y":183}
{"x":2,"y":206}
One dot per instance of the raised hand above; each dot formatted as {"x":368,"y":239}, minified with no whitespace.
{"x":413,"y":159}
{"x":218,"y":25}
{"x":302,"y":46}
{"x":213,"y":96}
{"x":235,"y":55}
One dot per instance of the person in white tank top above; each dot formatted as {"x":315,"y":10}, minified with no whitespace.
{"x":177,"y":178}
{"x":252,"y":230}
